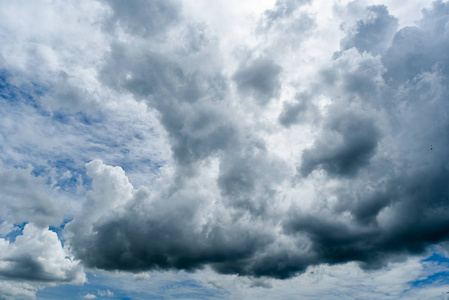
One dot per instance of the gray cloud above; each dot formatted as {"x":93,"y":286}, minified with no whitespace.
{"x":259,"y":79}
{"x":33,"y":261}
{"x":137,"y":232}
{"x":357,"y":183}
{"x":192,"y":109}
{"x":394,"y":201}
{"x":373,"y":33}
{"x":144,"y":17}
{"x":190,"y":106}
{"x":384,"y":190}
{"x":405,"y":218}
{"x":346,"y":146}
{"x":301,"y":111}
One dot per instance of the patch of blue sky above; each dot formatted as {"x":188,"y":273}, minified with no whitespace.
{"x":440,"y":278}
{"x":190,"y":289}
{"x":93,"y":136}
{"x":18,"y":230}
{"x":125,"y":287}
{"x":21,"y":93}
{"x":435,"y":272}
{"x":436,"y":257}
{"x":67,"y":174}
{"x":57,"y":144}
{"x":59,"y":230}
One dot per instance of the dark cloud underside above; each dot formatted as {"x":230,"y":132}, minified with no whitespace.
{"x":373,"y":141}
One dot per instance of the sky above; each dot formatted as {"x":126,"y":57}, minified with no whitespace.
{"x":226,"y":149}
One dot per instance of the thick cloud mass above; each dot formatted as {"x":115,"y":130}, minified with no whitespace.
{"x":373,"y":33}
{"x":35,"y":260}
{"x":348,"y":146}
{"x":260,"y":79}
{"x":262,"y":151}
{"x":227,"y":201}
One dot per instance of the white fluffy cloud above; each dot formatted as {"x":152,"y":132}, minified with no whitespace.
{"x":33,"y":261}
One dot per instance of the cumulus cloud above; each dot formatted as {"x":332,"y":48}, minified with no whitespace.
{"x":373,"y":33}
{"x":419,"y":48}
{"x":372,"y":213}
{"x":346,"y":145}
{"x":113,"y":231}
{"x":33,"y":261}
{"x":264,"y":162}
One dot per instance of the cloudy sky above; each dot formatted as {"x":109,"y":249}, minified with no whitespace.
{"x":226,"y":149}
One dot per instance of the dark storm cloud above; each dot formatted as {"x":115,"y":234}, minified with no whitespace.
{"x":248,"y":178}
{"x":167,"y":238}
{"x":259,"y":79}
{"x":26,"y":268}
{"x":163,"y":232}
{"x":396,"y":199}
{"x":190,"y":104}
{"x":36,"y":256}
{"x":346,"y":146}
{"x":383,"y":193}
{"x":418,"y":204}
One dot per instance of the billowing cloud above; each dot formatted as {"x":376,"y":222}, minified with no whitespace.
{"x":247,"y":155}
{"x":33,"y":261}
{"x":189,"y":226}
{"x":347,"y":144}
{"x":373,"y":33}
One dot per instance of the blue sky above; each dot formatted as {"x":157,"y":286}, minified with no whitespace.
{"x":177,"y":149}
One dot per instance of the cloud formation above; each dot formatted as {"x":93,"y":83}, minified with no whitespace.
{"x":260,"y":80}
{"x":256,"y":159}
{"x":387,"y":199}
{"x":33,"y":261}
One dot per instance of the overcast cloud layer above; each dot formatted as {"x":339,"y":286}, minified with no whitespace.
{"x":276,"y":141}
